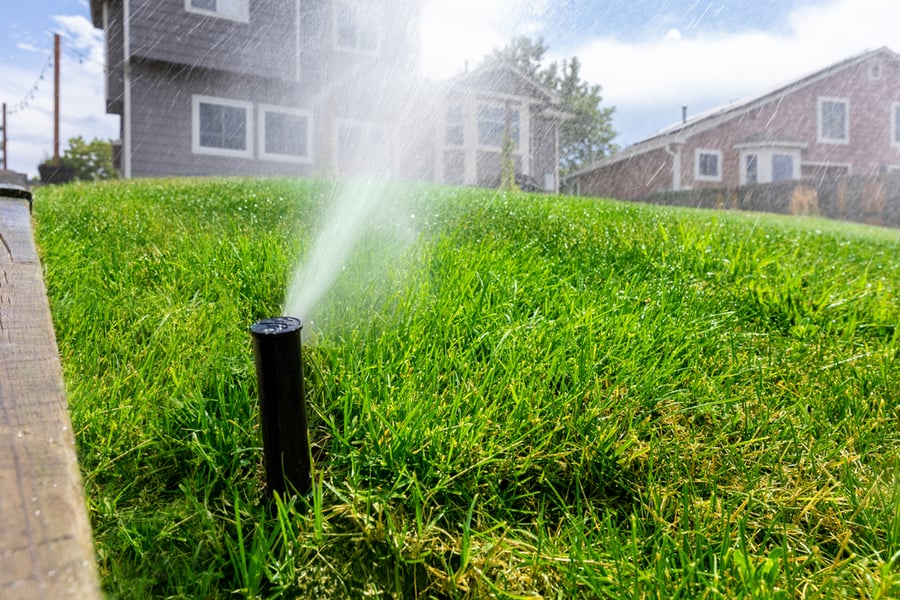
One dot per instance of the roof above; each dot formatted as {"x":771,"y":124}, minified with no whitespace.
{"x":486,"y":76}
{"x":97,"y":13}
{"x":679,"y":132}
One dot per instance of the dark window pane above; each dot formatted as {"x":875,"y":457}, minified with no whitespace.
{"x":492,"y":123}
{"x":223,"y":126}
{"x":204,"y":4}
{"x":834,"y":120}
{"x":897,"y":125}
{"x":709,"y":165}
{"x":782,"y":167}
{"x":752,"y":171}
{"x":285,"y":134}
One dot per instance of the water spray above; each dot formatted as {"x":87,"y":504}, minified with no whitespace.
{"x":282,"y":404}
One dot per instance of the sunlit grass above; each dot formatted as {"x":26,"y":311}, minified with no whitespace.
{"x":543,"y":397}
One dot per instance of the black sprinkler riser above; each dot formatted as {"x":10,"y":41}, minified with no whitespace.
{"x":282,"y":404}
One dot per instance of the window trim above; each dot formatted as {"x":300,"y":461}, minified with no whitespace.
{"x":820,"y":121}
{"x":357,"y":5}
{"x":697,"y":154}
{"x":244,"y":17}
{"x":196,"y":148}
{"x":261,"y":111}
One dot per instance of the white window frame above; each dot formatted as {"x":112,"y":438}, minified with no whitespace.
{"x":261,"y":111}
{"x":360,"y":8}
{"x":196,"y":148}
{"x":243,"y":16}
{"x":895,"y":125}
{"x":820,"y":121}
{"x":700,"y":152}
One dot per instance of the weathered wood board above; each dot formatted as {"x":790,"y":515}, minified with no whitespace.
{"x":46,"y":549}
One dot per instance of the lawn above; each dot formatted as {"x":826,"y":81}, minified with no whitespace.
{"x":531,"y":396}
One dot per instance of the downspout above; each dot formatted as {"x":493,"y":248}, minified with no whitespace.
{"x":676,"y":163}
{"x":126,"y":76}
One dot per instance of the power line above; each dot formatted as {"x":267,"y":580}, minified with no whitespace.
{"x":32,"y":93}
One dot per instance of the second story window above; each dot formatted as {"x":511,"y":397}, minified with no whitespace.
{"x":834,"y":120}
{"x":493,"y":122}
{"x":236,"y":10}
{"x":356,"y":26}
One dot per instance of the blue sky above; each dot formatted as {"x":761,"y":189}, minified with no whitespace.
{"x":651,"y":56}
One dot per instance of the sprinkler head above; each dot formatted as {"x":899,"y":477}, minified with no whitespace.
{"x":282,"y":404}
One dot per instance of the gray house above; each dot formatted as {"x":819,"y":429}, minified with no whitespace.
{"x":307,"y":87}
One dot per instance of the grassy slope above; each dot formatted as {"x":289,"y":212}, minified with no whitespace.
{"x":544,"y":396}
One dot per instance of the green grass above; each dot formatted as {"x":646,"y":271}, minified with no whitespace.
{"x":542,"y":397}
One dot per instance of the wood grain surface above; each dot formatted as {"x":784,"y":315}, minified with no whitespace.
{"x":46,"y":549}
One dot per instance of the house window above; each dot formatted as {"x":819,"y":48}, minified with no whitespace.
{"x":285,"y":134}
{"x":356,"y":26}
{"x":834,"y":122}
{"x":895,"y":124}
{"x":362,"y":148}
{"x":782,"y":167}
{"x":492,"y":122}
{"x":454,"y":134}
{"x":708,"y":165}
{"x":221,"y":127}
{"x":875,"y":71}
{"x":236,"y":10}
{"x":752,"y":166}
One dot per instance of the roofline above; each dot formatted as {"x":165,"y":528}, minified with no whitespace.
{"x":552,"y":96}
{"x":97,"y":13}
{"x":678,"y":134}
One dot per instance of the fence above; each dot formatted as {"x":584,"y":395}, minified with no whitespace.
{"x":864,"y":199}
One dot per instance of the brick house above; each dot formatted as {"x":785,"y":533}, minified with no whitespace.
{"x":841,"y":120}
{"x":293,"y":87}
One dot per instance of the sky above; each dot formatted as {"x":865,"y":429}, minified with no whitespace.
{"x":651,"y":57}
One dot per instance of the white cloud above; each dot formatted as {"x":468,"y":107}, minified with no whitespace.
{"x":465,"y":31}
{"x":704,"y":71}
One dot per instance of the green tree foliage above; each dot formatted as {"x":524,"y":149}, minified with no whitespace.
{"x":90,"y":161}
{"x":587,"y":134}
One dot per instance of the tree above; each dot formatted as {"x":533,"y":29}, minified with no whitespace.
{"x":587,"y":135}
{"x":89,"y":160}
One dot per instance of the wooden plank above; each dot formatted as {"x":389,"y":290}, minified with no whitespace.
{"x":46,"y":549}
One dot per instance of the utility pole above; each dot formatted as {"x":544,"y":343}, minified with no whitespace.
{"x":56,"y":98}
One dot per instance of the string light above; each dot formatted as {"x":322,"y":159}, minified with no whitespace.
{"x":32,"y":94}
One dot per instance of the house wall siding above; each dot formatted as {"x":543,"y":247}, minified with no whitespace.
{"x":115,"y":56}
{"x":162,"y":122}
{"x":790,"y":117}
{"x":164,"y":30}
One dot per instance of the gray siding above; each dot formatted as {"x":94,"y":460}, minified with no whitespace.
{"x":162,"y":122}
{"x":163,"y":30}
{"x":115,"y":53}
